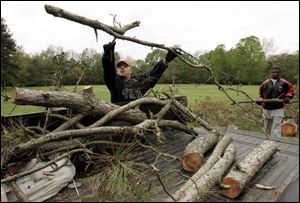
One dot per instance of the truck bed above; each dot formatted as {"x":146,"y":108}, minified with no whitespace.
{"x":281,"y":171}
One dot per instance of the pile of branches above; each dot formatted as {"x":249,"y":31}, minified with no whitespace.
{"x":73,"y":137}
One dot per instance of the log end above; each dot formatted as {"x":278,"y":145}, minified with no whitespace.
{"x":233,"y":190}
{"x":192,"y":162}
{"x":47,"y":8}
{"x":14,"y":94}
{"x":289,"y":129}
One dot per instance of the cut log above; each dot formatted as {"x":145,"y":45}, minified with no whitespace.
{"x":86,"y":102}
{"x":78,"y":102}
{"x":289,"y":129}
{"x":193,"y":155}
{"x":244,"y":171}
{"x":197,"y":189}
{"x":190,"y":188}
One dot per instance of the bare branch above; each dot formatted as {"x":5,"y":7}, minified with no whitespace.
{"x":260,"y":100}
{"x":163,"y":185}
{"x":58,"y":12}
{"x":70,"y":122}
{"x":66,"y":119}
{"x":131,"y":105}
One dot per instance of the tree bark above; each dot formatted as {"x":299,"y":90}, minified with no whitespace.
{"x":196,"y":190}
{"x":260,"y":100}
{"x":193,"y":155}
{"x":194,"y":117}
{"x":244,"y":171}
{"x":58,"y":12}
{"x":86,"y":103}
{"x":83,"y":103}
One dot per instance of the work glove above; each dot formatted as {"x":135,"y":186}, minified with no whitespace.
{"x":171,"y":55}
{"x":286,"y":100}
{"x":110,"y":47}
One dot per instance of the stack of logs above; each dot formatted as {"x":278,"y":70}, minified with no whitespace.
{"x":209,"y":173}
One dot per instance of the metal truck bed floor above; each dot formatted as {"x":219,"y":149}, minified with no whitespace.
{"x":281,"y":171}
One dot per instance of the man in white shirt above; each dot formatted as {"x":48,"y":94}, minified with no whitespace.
{"x":275,"y":88}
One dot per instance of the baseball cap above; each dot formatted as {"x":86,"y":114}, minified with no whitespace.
{"x":124,"y":60}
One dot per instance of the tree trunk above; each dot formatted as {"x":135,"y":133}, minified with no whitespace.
{"x":196,"y":190}
{"x":85,"y":102}
{"x":242,"y":173}
{"x":193,"y":157}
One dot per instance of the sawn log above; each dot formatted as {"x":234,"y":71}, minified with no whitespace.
{"x":244,"y":171}
{"x":189,"y":190}
{"x":193,"y":155}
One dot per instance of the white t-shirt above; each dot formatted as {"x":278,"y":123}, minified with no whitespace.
{"x":273,"y":80}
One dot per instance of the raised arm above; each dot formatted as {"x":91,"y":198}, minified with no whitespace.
{"x":108,"y":62}
{"x":150,"y":78}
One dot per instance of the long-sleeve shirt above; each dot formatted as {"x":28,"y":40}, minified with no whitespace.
{"x":126,"y":91}
{"x":281,"y":89}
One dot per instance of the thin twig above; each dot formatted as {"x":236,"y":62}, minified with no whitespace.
{"x":163,"y":185}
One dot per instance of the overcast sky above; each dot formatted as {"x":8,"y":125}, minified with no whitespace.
{"x":196,"y":26}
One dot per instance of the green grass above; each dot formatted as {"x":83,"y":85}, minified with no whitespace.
{"x":194,"y":93}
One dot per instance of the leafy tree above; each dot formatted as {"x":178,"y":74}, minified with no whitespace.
{"x":139,"y":66}
{"x":151,"y":59}
{"x":8,"y":51}
{"x":155,"y":56}
{"x":220,"y":60}
{"x":92,"y":63}
{"x":23,"y":61}
{"x":250,"y":60}
{"x":289,"y":62}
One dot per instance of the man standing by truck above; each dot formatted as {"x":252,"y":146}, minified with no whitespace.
{"x":273,"y":112}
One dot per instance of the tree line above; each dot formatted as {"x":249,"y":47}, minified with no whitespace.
{"x":245,"y":63}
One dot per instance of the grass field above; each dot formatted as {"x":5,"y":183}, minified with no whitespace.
{"x":194,"y":93}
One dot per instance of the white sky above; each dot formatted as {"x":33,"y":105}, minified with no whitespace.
{"x":196,"y":26}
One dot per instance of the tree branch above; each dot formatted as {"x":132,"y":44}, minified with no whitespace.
{"x":131,"y":105}
{"x":259,"y":100}
{"x":58,"y":12}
